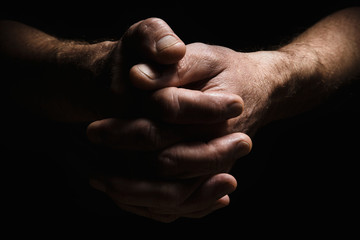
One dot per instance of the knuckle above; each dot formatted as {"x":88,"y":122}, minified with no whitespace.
{"x":141,"y":31}
{"x":154,"y":21}
{"x":211,"y":56}
{"x":143,"y":26}
{"x":151,"y":25}
{"x":167,"y":164}
{"x":168,"y":104}
{"x":201,"y":46}
{"x":174,"y":106}
{"x":149,"y":135}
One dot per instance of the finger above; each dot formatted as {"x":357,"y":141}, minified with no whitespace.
{"x":184,"y":106}
{"x":168,"y":218}
{"x":213,"y":193}
{"x":145,"y":212}
{"x":166,"y":200}
{"x":146,"y":193}
{"x":221,"y":203}
{"x":187,"y":160}
{"x":138,"y":134}
{"x":154,"y":39}
{"x":205,"y":197}
{"x":199,"y":64}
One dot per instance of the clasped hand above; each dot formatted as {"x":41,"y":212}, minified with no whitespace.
{"x":183,"y":124}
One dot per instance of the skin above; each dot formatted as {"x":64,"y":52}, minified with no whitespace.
{"x":271,"y":83}
{"x":268,"y":85}
{"x":69,"y":81}
{"x":309,"y":69}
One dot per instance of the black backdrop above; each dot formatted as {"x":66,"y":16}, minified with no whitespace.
{"x":302,"y":172}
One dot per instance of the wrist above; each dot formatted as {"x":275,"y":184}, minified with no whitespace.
{"x":78,"y":69}
{"x":298,"y":76}
{"x":85,"y":57}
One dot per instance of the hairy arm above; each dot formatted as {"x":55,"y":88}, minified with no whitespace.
{"x":273,"y":84}
{"x":51,"y":77}
{"x":59,"y":80}
{"x":317,"y":63}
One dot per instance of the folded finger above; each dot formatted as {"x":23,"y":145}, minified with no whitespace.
{"x":145,"y":212}
{"x":184,"y":106}
{"x":153,"y":38}
{"x":138,"y":134}
{"x":214,"y":191}
{"x":187,"y":160}
{"x":146,"y":193}
{"x":197,"y":66}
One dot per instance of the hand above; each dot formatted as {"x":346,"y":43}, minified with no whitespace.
{"x":166,"y":200}
{"x":182,"y":161}
{"x":171,"y":175}
{"x":211,"y":69}
{"x":153,"y":41}
{"x":304,"y":71}
{"x":186,"y":179}
{"x":68,"y":80}
{"x":173,"y":105}
{"x":150,"y":40}
{"x":65,"y":81}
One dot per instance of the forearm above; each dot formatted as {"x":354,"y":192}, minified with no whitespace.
{"x":318,"y":62}
{"x":50,"y":77}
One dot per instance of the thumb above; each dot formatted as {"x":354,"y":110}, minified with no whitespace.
{"x":200,"y":63}
{"x":152,"y":39}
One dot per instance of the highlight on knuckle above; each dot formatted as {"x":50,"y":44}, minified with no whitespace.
{"x":168,"y":104}
{"x":167,"y":165}
{"x":174,"y":106}
{"x":150,"y":25}
{"x":149,"y":135}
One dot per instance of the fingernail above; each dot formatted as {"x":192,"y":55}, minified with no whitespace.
{"x":97,"y":184}
{"x":146,"y":70}
{"x":244,"y":147}
{"x":166,"y":42}
{"x":235,"y":109}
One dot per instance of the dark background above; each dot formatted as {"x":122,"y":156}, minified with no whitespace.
{"x":301,"y":176}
